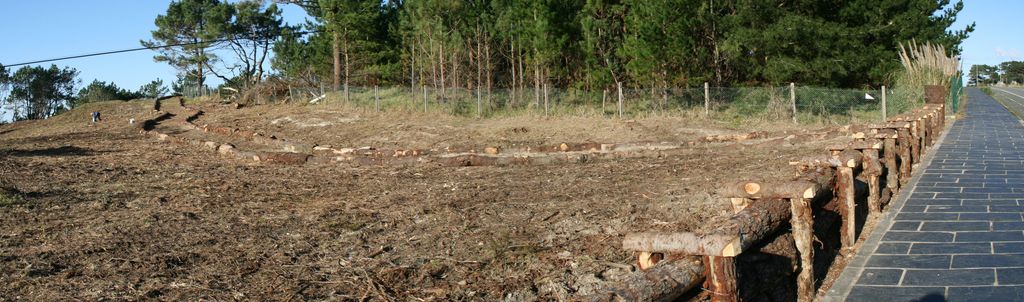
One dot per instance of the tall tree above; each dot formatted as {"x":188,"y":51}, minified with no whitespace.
{"x":304,"y":58}
{"x":1012,"y":72}
{"x":351,"y":24}
{"x":103,"y":91}
{"x":194,"y":25}
{"x":249,"y":35}
{"x":38,"y":92}
{"x":983,"y":75}
{"x":153,"y":89}
{"x":602,"y":24}
{"x":4,"y":85}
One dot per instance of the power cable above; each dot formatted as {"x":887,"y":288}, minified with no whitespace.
{"x":138,"y":49}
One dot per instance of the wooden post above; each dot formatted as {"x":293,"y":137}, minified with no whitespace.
{"x":721,"y":280}
{"x":803,"y":235}
{"x":619,"y":85}
{"x":922,"y":123}
{"x":792,"y":99}
{"x":904,"y":148}
{"x":707,"y":100}
{"x":885,"y":110}
{"x":873,"y":170}
{"x":376,"y":99}
{"x":847,"y":208}
{"x":424,"y":98}
{"x":915,"y":144}
{"x":479,"y":102}
{"x":892,"y":180}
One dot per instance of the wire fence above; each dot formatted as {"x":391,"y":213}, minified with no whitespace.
{"x":794,"y":103}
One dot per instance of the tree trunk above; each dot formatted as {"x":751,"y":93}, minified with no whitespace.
{"x":479,"y":70}
{"x":522,"y":75}
{"x":512,"y":98}
{"x":440,"y":47}
{"x":490,"y":76}
{"x":433,"y":61}
{"x":772,"y":190}
{"x":336,"y":54}
{"x":348,"y":65}
{"x":666,"y":281}
{"x":759,"y":221}
{"x":412,"y":67}
{"x":536,"y":81}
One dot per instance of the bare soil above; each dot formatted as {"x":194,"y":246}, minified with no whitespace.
{"x":100,"y":211}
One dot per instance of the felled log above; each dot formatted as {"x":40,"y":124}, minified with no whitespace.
{"x":646,"y":260}
{"x":776,"y":190}
{"x":885,"y":133}
{"x":850,"y":158}
{"x":815,"y":162}
{"x":840,"y":158}
{"x":897,"y":123}
{"x":743,"y":230}
{"x":666,"y":281}
{"x":285,"y":158}
{"x":717,"y":244}
{"x":738,"y":204}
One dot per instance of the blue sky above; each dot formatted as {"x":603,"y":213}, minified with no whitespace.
{"x":997,"y":36}
{"x":45,"y":29}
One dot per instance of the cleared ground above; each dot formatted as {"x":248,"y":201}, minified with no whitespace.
{"x":96,"y":211}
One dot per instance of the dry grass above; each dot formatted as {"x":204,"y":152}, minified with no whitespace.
{"x":923,"y":64}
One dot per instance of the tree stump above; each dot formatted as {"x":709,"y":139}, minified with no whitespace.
{"x":721,"y":280}
{"x":847,"y":208}
{"x":803,"y":235}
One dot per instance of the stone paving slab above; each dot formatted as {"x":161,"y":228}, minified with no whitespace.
{"x":957,"y":232}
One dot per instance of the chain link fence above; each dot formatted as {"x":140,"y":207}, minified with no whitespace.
{"x":794,"y":103}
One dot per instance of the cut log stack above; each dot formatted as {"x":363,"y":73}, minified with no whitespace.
{"x":877,"y":163}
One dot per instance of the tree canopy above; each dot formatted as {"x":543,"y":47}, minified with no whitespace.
{"x":1009,"y":72}
{"x":37,"y":92}
{"x":595,"y":43}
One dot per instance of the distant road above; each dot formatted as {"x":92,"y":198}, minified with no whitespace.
{"x":1012,"y":98}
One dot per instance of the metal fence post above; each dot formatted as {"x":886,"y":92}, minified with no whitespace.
{"x":885,"y":109}
{"x":424,"y":98}
{"x":376,"y":99}
{"x":545,"y":98}
{"x":792,"y":99}
{"x":619,"y":85}
{"x":707,"y":100}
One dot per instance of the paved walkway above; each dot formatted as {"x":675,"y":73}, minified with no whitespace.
{"x":959,"y":235}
